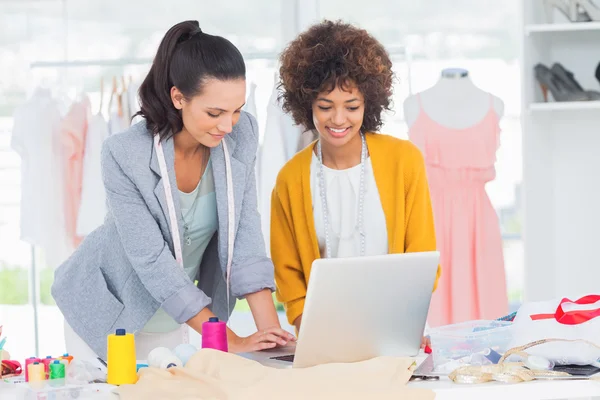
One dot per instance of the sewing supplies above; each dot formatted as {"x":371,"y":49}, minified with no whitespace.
{"x":424,"y":372}
{"x":162,"y":357}
{"x":184,"y":352}
{"x":46,"y":361}
{"x":529,"y":368}
{"x":36,"y":373}
{"x":57,"y":373}
{"x":2,"y":342}
{"x":214,"y":335}
{"x":121,"y":358}
{"x":29,"y":361}
{"x":506,"y":373}
{"x":509,"y":318}
{"x":67,"y":357}
{"x":10,"y":368}
{"x":140,"y":366}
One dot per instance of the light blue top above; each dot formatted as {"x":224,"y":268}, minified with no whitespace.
{"x":199,"y":212}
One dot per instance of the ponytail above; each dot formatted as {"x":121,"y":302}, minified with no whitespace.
{"x":186,"y":58}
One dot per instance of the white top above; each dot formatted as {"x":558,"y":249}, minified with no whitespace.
{"x":92,"y":208}
{"x":342,"y":188}
{"x":36,"y":138}
{"x":279,"y":144}
{"x":199,"y":209}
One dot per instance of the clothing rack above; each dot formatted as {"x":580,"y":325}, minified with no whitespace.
{"x":119,"y":62}
{"x":397,"y":51}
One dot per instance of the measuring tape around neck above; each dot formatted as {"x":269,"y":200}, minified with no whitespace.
{"x":173,"y":216}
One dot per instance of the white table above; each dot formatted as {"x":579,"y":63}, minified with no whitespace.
{"x":444,"y":389}
{"x":536,"y":390}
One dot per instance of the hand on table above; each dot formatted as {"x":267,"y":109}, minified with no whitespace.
{"x":262,"y":340}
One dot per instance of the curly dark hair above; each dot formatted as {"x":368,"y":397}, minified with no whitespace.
{"x":335,"y":54}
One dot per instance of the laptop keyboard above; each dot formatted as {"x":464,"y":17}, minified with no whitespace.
{"x":288,"y":358}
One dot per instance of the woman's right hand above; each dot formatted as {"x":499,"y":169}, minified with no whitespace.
{"x":263,"y":340}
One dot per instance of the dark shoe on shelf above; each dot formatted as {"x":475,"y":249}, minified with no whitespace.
{"x":566,"y":76}
{"x":569,"y":78}
{"x":561,"y":90}
{"x":598,"y":72}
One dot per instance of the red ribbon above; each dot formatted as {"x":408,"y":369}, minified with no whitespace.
{"x":572,"y":317}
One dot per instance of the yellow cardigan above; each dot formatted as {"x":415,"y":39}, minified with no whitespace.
{"x":401,"y":179}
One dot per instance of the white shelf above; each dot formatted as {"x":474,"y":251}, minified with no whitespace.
{"x":564,"y":27}
{"x":565,"y":105}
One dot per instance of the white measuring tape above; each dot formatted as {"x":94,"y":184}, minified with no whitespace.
{"x":175,"y":225}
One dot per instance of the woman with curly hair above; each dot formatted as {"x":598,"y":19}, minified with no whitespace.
{"x":352,"y":192}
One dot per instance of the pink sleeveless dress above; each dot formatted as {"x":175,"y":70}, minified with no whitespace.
{"x":459,"y":162}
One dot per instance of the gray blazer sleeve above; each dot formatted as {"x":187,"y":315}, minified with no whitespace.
{"x":251,"y":269}
{"x":144,"y":243}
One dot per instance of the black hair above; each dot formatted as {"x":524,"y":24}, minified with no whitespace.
{"x":186,"y":58}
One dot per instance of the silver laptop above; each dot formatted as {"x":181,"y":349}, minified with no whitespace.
{"x":360,"y":308}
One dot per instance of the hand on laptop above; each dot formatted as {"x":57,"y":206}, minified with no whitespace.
{"x":262,"y":340}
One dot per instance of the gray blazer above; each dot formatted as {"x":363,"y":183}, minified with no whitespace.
{"x":125,"y":270}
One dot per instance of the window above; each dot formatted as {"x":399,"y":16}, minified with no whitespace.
{"x":108,"y":39}
{"x":117,"y":39}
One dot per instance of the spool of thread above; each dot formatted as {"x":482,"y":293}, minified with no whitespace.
{"x":46,"y":361}
{"x":140,"y":366}
{"x":185,"y":351}
{"x":121,"y":358}
{"x":57,"y":370}
{"x":29,"y":361}
{"x":214,"y":335}
{"x":492,"y":355}
{"x":57,"y":373}
{"x":36,"y":372}
{"x":67,"y":357}
{"x":163,"y":358}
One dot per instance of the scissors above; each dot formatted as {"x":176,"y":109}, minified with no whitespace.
{"x":424,"y":371}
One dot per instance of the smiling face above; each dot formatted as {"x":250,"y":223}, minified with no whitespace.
{"x":338,"y":115}
{"x":211,"y":115}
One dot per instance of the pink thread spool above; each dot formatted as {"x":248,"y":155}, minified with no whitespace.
{"x":214,"y":335}
{"x":30,"y":360}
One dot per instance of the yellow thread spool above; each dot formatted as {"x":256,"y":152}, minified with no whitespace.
{"x":36,"y":373}
{"x":121,"y":358}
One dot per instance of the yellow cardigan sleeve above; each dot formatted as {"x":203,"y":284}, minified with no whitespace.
{"x":420,"y":229}
{"x":289,"y":275}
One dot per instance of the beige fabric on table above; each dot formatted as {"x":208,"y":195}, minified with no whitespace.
{"x":216,"y":375}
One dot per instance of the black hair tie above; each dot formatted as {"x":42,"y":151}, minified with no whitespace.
{"x":187,"y":36}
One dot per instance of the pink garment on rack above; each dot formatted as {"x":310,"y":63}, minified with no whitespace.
{"x":73,"y":133}
{"x":459,"y":162}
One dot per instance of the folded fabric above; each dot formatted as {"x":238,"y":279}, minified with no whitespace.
{"x":215,"y":375}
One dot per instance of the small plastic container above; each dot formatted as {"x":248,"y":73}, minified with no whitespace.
{"x":469,"y":343}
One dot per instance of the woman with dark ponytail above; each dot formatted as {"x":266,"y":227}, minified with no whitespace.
{"x":182,"y":237}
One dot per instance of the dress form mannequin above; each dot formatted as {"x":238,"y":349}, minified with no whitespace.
{"x":454,"y":101}
{"x":456,"y":126}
